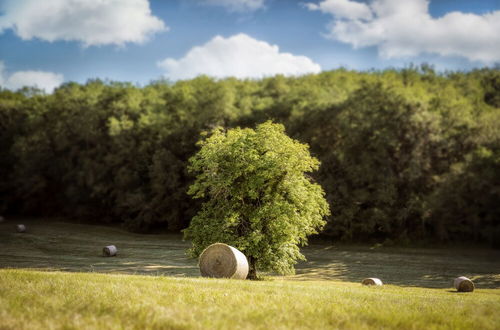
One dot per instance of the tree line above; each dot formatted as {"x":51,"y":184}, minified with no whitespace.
{"x":406,"y":155}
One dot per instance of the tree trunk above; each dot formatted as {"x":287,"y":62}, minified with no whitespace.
{"x":252,"y":270}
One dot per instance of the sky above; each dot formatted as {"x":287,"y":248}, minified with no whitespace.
{"x":46,"y":43}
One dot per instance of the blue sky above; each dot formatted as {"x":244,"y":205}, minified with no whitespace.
{"x":48,"y":42}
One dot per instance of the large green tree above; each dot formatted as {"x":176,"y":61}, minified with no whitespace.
{"x":257,"y":196}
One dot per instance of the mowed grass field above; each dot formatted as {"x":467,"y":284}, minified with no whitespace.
{"x":78,"y":288}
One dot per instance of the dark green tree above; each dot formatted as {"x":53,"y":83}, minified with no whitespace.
{"x":380,"y":156}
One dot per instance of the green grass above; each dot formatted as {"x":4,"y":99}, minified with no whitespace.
{"x":325,"y":293}
{"x":43,"y":300}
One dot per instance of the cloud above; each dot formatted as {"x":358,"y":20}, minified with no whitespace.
{"x":402,"y":29}
{"x":238,"y":56}
{"x":236,"y":5}
{"x":343,"y":9}
{"x":91,"y":22}
{"x":40,"y":79}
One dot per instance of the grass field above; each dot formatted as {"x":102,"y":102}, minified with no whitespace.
{"x":325,"y":293}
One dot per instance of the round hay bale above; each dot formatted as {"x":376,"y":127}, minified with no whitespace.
{"x":109,"y":251}
{"x":2,"y":219}
{"x":463,"y":284}
{"x":20,"y":228}
{"x":372,"y":281}
{"x":223,"y":261}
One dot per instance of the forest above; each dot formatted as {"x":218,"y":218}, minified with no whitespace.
{"x":407,"y":155}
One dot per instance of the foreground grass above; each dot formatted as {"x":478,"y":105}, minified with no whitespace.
{"x":418,"y":297}
{"x":53,"y":300}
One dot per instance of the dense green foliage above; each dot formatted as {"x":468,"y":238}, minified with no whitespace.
{"x":406,"y":154}
{"x":257,"y":197}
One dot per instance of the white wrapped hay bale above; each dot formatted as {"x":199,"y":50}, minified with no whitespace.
{"x":109,"y":251}
{"x":20,"y":228}
{"x":372,"y":281}
{"x":463,"y":284}
{"x":223,"y":261}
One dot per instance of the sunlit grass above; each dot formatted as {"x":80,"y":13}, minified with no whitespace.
{"x":45,"y":300}
{"x":325,"y":293}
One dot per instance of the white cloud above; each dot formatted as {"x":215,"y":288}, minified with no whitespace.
{"x":238,"y":56}
{"x":343,"y":9}
{"x":40,"y":79}
{"x":236,"y":5}
{"x":91,"y":22}
{"x":405,"y":29}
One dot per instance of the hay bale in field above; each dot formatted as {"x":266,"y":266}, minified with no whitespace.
{"x":20,"y":228}
{"x":463,"y":284}
{"x":2,"y":219}
{"x":372,"y":281}
{"x":223,"y":261}
{"x":109,"y":251}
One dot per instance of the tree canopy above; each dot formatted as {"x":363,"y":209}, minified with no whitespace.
{"x":256,"y":196}
{"x":407,"y":155}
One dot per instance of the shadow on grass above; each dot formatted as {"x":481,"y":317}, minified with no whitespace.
{"x":432,"y":268}
{"x":55,"y":245}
